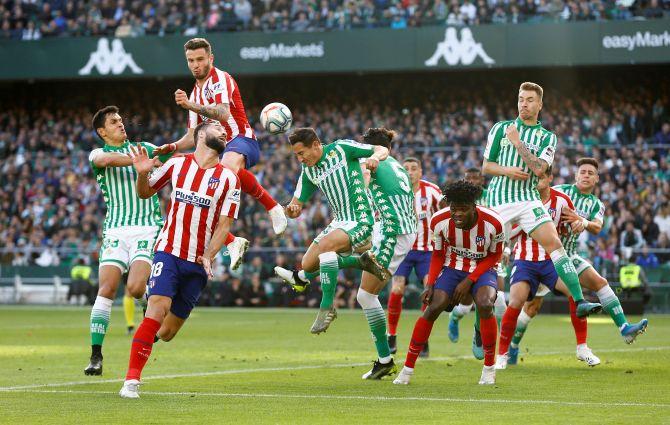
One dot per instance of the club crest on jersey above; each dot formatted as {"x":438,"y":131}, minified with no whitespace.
{"x":213,"y":183}
{"x":552,"y":212}
{"x":480,"y":240}
{"x":211,"y":89}
{"x":504,"y":142}
{"x":424,"y":201}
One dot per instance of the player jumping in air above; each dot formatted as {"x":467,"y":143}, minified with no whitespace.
{"x":517,"y":153}
{"x":130,"y":228}
{"x":204,"y":202}
{"x":427,"y":198}
{"x":216,"y":98}
{"x":468,"y":243}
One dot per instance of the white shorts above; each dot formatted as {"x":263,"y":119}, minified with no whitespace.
{"x":121,"y":246}
{"x":528,"y":215}
{"x":581,"y":265}
{"x":359,"y":233}
{"x":542,"y":290}
{"x":395,"y":247}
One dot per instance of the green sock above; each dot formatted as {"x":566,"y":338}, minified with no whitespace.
{"x":612,"y":305}
{"x":476,"y":319}
{"x":100,"y":319}
{"x":377,"y":322}
{"x":521,"y":326}
{"x":566,"y":271}
{"x":308,"y":275}
{"x":349,"y":262}
{"x":328,"y":272}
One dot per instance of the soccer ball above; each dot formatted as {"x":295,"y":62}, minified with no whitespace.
{"x":276,"y":118}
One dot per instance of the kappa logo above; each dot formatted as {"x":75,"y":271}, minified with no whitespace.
{"x":110,"y":61}
{"x":455,"y":51}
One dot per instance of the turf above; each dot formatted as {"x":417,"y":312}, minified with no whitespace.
{"x":263,"y":366}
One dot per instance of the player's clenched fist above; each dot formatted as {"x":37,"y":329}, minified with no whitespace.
{"x":181,"y":98}
{"x":293,"y":210}
{"x":512,"y":134}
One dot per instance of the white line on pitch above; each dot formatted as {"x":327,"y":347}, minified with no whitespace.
{"x":361,"y":397}
{"x":292,"y":368}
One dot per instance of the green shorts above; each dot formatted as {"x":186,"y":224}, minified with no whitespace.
{"x":359,"y":233}
{"x":580,"y":263}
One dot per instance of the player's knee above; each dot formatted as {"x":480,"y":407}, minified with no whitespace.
{"x":136,"y":289}
{"x":167,"y":335}
{"x":485,"y":302}
{"x":515,"y":302}
{"x":600,"y":282}
{"x":398,"y":287}
{"x":433,"y":311}
{"x":107,"y":288}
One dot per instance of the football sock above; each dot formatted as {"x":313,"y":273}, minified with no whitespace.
{"x":328,"y":271}
{"x":308,"y":275}
{"x":394,"y":309}
{"x":459,"y":311}
{"x":349,"y":262}
{"x":499,"y":306}
{"x":250,"y":185}
{"x":506,"y":329}
{"x":612,"y":305}
{"x":420,"y":335}
{"x":140,"y":350}
{"x":229,"y":239}
{"x":578,"y":323}
{"x":489,"y":330}
{"x":476,"y":319}
{"x":374,"y":313}
{"x":521,"y":325}
{"x":566,"y":271}
{"x":129,"y":310}
{"x":100,"y":312}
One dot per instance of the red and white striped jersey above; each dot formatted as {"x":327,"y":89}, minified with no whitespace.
{"x":199,"y":197}
{"x":219,"y":88}
{"x":466,"y":248}
{"x":426,"y":202}
{"x":525,"y":247}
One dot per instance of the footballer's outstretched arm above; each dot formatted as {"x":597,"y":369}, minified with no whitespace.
{"x":494,"y":169}
{"x":109,"y":159}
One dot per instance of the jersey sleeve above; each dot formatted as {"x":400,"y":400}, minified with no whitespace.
{"x":93,"y":155}
{"x":219,"y":90}
{"x":160,"y":176}
{"x":497,"y":239}
{"x":231,"y":200}
{"x":598,"y":212}
{"x":492,"y":150}
{"x":305,"y":188}
{"x":548,"y":148}
{"x":355,"y":150}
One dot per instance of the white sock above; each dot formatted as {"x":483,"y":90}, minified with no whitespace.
{"x":461,"y":310}
{"x":500,"y":305}
{"x":580,"y":346}
{"x":103,"y":304}
{"x":524,"y":319}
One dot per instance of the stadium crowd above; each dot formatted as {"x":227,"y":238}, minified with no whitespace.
{"x":52,"y":208}
{"x":31,"y":20}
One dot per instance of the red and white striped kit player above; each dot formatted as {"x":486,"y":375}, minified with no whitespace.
{"x":526,"y":248}
{"x":464,"y":249}
{"x":199,"y":197}
{"x":426,"y":202}
{"x":220,"y":88}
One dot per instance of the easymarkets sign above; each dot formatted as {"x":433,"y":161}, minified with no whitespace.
{"x":384,"y":49}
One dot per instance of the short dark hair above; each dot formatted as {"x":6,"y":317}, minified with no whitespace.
{"x":413,"y":159}
{"x":589,"y":161}
{"x":305,"y":135}
{"x":198,"y":128}
{"x":462,"y":192}
{"x":198,"y":43}
{"x":100,"y":117}
{"x":473,"y":170}
{"x":379,"y":136}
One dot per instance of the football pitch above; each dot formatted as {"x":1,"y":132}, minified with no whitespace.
{"x":263,"y":366}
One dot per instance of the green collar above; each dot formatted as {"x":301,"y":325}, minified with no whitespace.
{"x":520,"y":123}
{"x":117,"y":148}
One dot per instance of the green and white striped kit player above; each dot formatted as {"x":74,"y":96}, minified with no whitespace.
{"x":587,"y":206}
{"x":483,"y":199}
{"x":339,"y":176}
{"x":393,"y":199}
{"x":131,"y":224}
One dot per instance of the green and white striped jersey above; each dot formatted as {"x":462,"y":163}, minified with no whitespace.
{"x":540,"y":142}
{"x":124,"y":207}
{"x":587,"y":206}
{"x":339,"y":176}
{"x":483,"y":200}
{"x":393,"y":197}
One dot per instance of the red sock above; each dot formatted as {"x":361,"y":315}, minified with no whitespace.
{"x":140,"y":350}
{"x":489,"y":331}
{"x":423,"y":307}
{"x":578,"y":323}
{"x":251,"y":186}
{"x":420,"y":335}
{"x":507,"y":328}
{"x":394,"y":310}
{"x":229,"y":239}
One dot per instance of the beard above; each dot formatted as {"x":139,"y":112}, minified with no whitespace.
{"x":215,"y":143}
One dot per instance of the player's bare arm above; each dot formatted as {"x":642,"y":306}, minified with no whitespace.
{"x":494,"y":169}
{"x":580,"y":224}
{"x":111,"y":159}
{"x":218,"y":112}
{"x":143,"y":165}
{"x":380,"y":154}
{"x":215,"y":244}
{"x":294,"y":208}
{"x":536,"y":165}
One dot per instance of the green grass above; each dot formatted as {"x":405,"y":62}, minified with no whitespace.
{"x":316,"y":379}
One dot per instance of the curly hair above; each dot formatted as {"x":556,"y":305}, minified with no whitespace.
{"x":379,"y":136}
{"x":461,"y":192}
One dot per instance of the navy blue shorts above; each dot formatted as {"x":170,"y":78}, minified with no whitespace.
{"x":247,"y":147}
{"x":450,"y":278}
{"x":417,"y":260}
{"x":181,"y":280}
{"x":535,"y":272}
